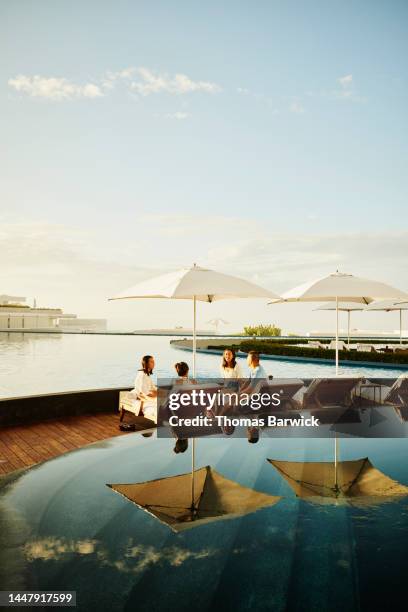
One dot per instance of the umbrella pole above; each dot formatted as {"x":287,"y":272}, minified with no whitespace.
{"x":337,"y":335}
{"x":400,"y":326}
{"x":193,"y":508}
{"x":348,"y":329}
{"x":336,"y":454}
{"x":194,"y":373}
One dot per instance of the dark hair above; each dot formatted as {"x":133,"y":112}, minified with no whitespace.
{"x":254,"y":355}
{"x":181,"y":445}
{"x":181,"y":368}
{"x":145,"y":364}
{"x":253,"y":435}
{"x":233,"y":360}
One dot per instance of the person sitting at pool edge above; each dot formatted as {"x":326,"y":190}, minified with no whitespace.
{"x":256,"y":372}
{"x":182,"y":370}
{"x":254,"y":364}
{"x":145,"y":388}
{"x":229,"y":367}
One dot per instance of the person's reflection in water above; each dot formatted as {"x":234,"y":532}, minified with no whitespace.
{"x":253,"y":435}
{"x":181,"y":445}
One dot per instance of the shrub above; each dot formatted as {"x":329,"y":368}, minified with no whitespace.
{"x":262,"y":330}
{"x":281,"y":347}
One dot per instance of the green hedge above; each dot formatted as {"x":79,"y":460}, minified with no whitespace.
{"x":268,"y":347}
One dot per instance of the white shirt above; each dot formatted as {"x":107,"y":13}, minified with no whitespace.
{"x":144,"y":383}
{"x":257,"y":372}
{"x":234,"y":372}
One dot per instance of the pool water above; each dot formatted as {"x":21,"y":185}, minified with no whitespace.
{"x":46,"y":363}
{"x":62,"y":528}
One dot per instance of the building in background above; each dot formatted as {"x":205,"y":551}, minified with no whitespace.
{"x":16,"y":315}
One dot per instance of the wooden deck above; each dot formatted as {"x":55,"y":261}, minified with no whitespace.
{"x":25,"y":445}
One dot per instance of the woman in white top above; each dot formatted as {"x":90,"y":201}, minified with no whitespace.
{"x":145,"y":388}
{"x":229,"y":367}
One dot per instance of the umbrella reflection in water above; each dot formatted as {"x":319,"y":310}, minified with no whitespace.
{"x":215,"y":498}
{"x":357,"y":482}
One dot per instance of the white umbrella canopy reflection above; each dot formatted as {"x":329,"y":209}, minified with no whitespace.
{"x":195,"y":284}
{"x":357,"y":482}
{"x":341,"y":287}
{"x":390,"y":306}
{"x":216,"y":498}
{"x":348,"y":307}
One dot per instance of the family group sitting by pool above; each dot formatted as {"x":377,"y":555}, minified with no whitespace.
{"x":146,"y":391}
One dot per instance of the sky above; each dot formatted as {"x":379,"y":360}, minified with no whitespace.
{"x":263,"y":139}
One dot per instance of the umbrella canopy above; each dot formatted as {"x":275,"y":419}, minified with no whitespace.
{"x":196,"y":284}
{"x":340,"y":287}
{"x":216,"y":498}
{"x":346,"y":287}
{"x":389,"y":306}
{"x":199,"y":283}
{"x":343,"y":307}
{"x":358,"y":482}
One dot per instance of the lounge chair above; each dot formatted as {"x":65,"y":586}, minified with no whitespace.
{"x":316,"y":344}
{"x":366,"y":348}
{"x":340,"y":343}
{"x":287,"y":388}
{"x":329,"y":392}
{"x":397,"y":395}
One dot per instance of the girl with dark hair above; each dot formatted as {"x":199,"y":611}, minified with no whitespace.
{"x":230,"y":368}
{"x":182,"y":370}
{"x":145,"y":389}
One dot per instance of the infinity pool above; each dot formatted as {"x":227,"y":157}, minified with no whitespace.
{"x":46,"y":363}
{"x":62,"y":528}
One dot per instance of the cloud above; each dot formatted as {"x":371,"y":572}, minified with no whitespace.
{"x":296,"y":108}
{"x":346,"y":81}
{"x":179,"y":84}
{"x":178,"y":115}
{"x":77,"y":269}
{"x":344,"y":91}
{"x":134,"y":558}
{"x":53,"y":88}
{"x":139,"y":80}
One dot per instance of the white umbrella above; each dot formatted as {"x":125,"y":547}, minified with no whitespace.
{"x":195,"y":284}
{"x":342,"y":287}
{"x":343,"y":307}
{"x":346,"y":288}
{"x":216,"y":323}
{"x":388,"y":306}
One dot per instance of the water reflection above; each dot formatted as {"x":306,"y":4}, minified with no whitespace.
{"x":190,"y":500}
{"x":355,"y":482}
{"x":132,"y":558}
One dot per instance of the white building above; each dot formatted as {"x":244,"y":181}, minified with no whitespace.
{"x":16,"y":315}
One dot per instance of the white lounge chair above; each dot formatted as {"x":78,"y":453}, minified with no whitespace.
{"x":340,"y":343}
{"x":366,"y":348}
{"x":395,"y":394}
{"x":316,"y":344}
{"x":327,"y":392}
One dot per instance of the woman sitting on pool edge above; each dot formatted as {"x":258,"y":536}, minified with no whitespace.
{"x":145,"y":388}
{"x":229,"y":367}
{"x":182,"y":370}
